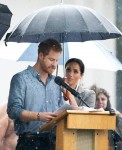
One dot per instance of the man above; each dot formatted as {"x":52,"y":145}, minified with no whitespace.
{"x":33,"y":98}
{"x":8,"y":138}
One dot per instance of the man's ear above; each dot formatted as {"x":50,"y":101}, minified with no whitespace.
{"x":41,"y":55}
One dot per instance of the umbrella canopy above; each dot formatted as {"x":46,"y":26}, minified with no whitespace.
{"x":94,"y":54}
{"x":30,"y":54}
{"x":5,"y":19}
{"x":65,"y":23}
{"x":23,"y":52}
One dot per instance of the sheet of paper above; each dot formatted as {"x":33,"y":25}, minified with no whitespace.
{"x":66,"y":107}
{"x":70,"y":107}
{"x":84,"y":108}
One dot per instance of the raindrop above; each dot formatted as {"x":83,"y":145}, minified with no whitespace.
{"x":37,"y":132}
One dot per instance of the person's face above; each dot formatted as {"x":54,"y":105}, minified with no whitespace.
{"x":101,"y":101}
{"x":49,"y":62}
{"x":73,"y":74}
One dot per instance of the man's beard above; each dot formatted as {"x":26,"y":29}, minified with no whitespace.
{"x":49,"y":69}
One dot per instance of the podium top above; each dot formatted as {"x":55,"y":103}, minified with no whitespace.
{"x":77,"y":117}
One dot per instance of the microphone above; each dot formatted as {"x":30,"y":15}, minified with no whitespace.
{"x":60,"y":81}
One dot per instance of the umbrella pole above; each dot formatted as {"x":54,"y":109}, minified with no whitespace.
{"x":63,"y":58}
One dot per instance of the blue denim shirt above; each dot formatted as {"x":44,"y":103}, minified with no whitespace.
{"x":27,"y":92}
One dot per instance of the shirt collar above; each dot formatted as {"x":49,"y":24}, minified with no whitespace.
{"x":37,"y":74}
{"x":33,"y":71}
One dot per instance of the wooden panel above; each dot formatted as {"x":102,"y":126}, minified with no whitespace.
{"x":51,"y":123}
{"x":64,"y":114}
{"x":70,"y":139}
{"x":86,"y":121}
{"x":65,"y":138}
{"x":101,"y":140}
{"x":85,"y":139}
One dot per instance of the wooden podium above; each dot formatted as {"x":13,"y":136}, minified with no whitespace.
{"x":78,"y":130}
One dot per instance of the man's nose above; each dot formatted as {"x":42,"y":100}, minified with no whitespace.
{"x":55,"y":63}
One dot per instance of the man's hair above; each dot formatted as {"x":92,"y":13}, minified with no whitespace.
{"x":49,"y":44}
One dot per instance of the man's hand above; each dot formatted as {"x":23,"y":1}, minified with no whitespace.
{"x":46,"y":116}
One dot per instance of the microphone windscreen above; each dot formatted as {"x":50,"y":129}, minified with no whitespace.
{"x":59,"y":80}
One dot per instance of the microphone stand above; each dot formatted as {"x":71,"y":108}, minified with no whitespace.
{"x":81,"y":100}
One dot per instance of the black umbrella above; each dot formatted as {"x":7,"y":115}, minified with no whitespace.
{"x":65,"y":23}
{"x":5,"y":19}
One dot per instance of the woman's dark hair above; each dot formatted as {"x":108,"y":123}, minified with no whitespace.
{"x":78,"y":61}
{"x":49,"y":44}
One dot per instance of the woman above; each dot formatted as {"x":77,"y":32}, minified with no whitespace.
{"x":74,"y":72}
{"x":103,"y":101}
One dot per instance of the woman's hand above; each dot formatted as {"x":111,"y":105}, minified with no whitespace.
{"x":68,"y":95}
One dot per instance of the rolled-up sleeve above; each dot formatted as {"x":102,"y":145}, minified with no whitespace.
{"x":16,"y":97}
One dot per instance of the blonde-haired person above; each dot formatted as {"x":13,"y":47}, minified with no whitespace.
{"x":8,"y":137}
